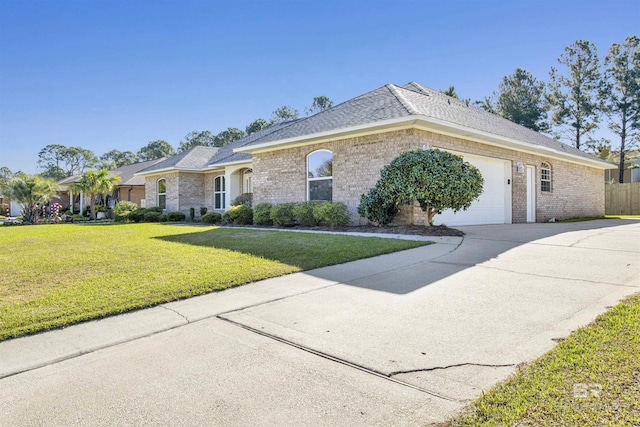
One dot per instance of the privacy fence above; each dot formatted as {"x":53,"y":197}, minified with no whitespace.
{"x":622,"y":199}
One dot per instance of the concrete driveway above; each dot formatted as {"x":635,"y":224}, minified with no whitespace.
{"x":403,"y":339}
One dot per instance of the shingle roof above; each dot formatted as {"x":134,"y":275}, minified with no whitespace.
{"x":195,"y":158}
{"x":413,"y":99}
{"x":127,"y":172}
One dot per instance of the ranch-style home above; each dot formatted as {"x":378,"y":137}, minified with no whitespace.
{"x":337,"y":155}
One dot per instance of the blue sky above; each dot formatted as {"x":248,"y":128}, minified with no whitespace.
{"x":117,"y":74}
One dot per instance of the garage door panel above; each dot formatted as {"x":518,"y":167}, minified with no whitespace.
{"x":491,"y":208}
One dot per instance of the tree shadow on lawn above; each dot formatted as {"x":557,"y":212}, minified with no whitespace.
{"x":303,"y":250}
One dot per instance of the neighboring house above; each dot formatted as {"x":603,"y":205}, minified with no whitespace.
{"x":14,"y":208}
{"x":130,"y":187}
{"x":337,"y":155}
{"x":631,"y":172}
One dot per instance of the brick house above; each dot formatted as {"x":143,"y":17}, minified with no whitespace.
{"x":337,"y":155}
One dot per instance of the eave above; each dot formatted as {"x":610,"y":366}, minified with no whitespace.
{"x":429,"y":124}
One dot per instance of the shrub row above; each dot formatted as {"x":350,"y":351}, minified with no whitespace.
{"x":312,"y":213}
{"x":124,"y":213}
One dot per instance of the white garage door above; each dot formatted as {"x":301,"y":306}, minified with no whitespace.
{"x":494,"y":205}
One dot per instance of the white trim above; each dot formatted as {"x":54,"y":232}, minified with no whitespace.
{"x":222,"y":192}
{"x":530,"y":175}
{"x":324,"y":178}
{"x":164,"y":170}
{"x":428,"y":124}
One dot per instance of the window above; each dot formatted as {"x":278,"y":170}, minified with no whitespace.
{"x":320,"y":175}
{"x":219,"y":196}
{"x":162,"y":193}
{"x":545,"y":177}
{"x":248,"y":181}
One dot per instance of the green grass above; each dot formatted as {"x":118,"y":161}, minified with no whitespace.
{"x":592,"y":378}
{"x":56,"y":275}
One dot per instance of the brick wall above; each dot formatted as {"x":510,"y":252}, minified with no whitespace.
{"x":280,"y":176}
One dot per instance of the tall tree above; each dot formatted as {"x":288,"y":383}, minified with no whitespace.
{"x":155,"y":150}
{"x":320,"y":103}
{"x":93,"y":183}
{"x":197,"y":138}
{"x":58,"y":161}
{"x":5,"y":176}
{"x":574,"y":96}
{"x":227,"y":136}
{"x":256,"y":125}
{"x":115,"y":158}
{"x":31,"y":192}
{"x":621,"y":93}
{"x":451,"y":92}
{"x":284,"y":114}
{"x":521,"y":99}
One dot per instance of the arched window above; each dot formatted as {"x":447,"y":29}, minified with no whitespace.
{"x":248,"y":181}
{"x":320,"y":175}
{"x":219,"y":193}
{"x":162,"y":193}
{"x":545,"y":177}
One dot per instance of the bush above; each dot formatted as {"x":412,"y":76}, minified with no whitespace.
{"x":333,"y":214}
{"x":211,"y":218}
{"x":192,"y":214}
{"x":262,"y":214}
{"x":243,"y":199}
{"x":163,"y":217}
{"x":176,"y":216}
{"x":305,"y":213}
{"x":376,"y":208}
{"x":240,"y":214}
{"x":122,"y":217}
{"x":124,"y":206}
{"x":4,"y":209}
{"x":137,"y":215}
{"x":152,"y":216}
{"x":203,"y":211}
{"x":282,"y":214}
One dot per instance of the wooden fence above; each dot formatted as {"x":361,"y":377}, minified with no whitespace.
{"x":622,"y":199}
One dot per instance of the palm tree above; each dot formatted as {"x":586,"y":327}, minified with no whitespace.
{"x":31,"y":192}
{"x":94,"y":182}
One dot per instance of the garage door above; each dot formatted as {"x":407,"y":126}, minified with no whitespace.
{"x":494,"y":205}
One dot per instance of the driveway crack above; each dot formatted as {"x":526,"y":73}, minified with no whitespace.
{"x":436,"y":368}
{"x":177,"y":312}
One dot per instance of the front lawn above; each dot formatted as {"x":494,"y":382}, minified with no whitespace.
{"x":592,"y":378}
{"x":56,"y":275}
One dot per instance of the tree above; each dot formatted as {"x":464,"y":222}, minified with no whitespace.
{"x":58,"y":161}
{"x":31,"y":192}
{"x":574,"y":96}
{"x":283,"y":114}
{"x":451,"y":92}
{"x":256,"y":125}
{"x":155,"y":150}
{"x":522,"y":100}
{"x":320,"y":103}
{"x":228,"y":136}
{"x":621,"y":94}
{"x":94,"y":182}
{"x":488,"y":104}
{"x":197,"y":138}
{"x":437,"y":180}
{"x":115,"y":158}
{"x":5,"y":176}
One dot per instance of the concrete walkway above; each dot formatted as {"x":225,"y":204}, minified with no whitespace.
{"x":400,"y":339}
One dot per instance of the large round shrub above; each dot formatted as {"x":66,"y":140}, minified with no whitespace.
{"x":262,"y":214}
{"x":437,"y":180}
{"x":376,"y":208}
{"x":283,"y":215}
{"x":243,"y":199}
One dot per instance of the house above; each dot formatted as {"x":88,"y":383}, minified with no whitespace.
{"x":130,"y":187}
{"x":337,"y":155}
